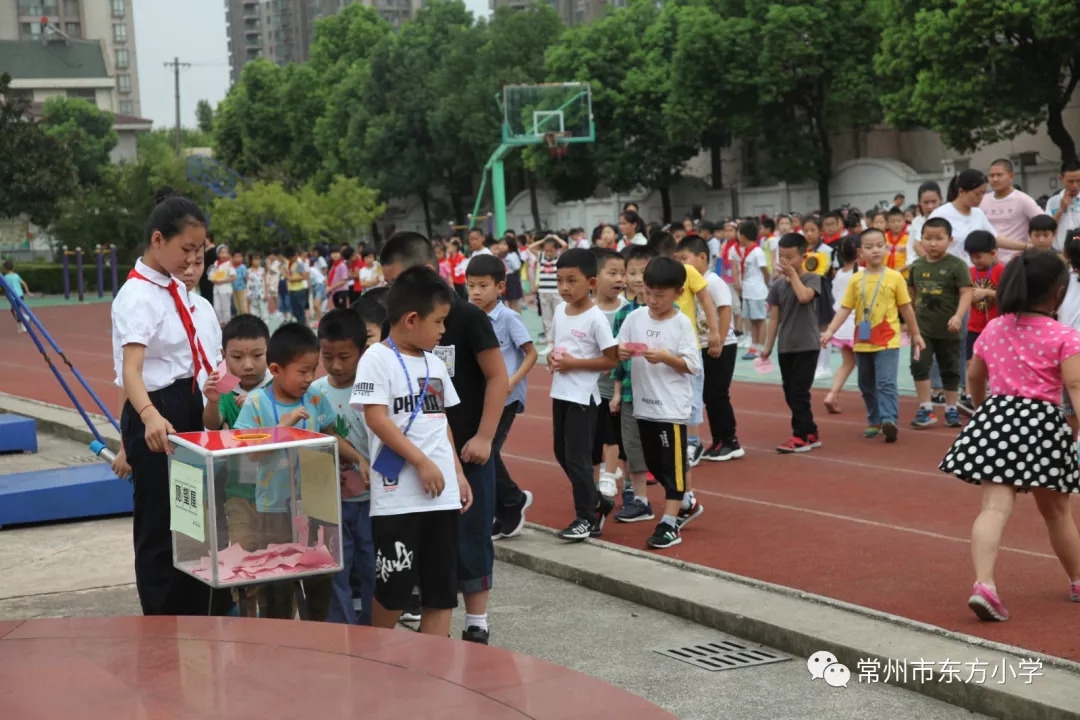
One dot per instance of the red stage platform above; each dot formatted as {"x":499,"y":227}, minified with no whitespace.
{"x":168,"y":668}
{"x":857,"y":520}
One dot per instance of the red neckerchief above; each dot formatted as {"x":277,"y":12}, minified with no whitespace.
{"x":834,"y":238}
{"x":893,"y":245}
{"x":197,"y":352}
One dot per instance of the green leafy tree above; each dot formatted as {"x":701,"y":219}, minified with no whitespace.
{"x":37,"y":169}
{"x":981,"y":72}
{"x":204,"y":116}
{"x":627,"y":58}
{"x":346,"y":210}
{"x":251,"y":130}
{"x":262,"y":216}
{"x":87,"y":131}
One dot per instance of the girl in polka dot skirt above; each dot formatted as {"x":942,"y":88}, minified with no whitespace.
{"x":1018,"y":439}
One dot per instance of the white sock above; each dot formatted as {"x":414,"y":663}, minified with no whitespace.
{"x":823,"y":362}
{"x":479,"y":621}
{"x":687,"y":500}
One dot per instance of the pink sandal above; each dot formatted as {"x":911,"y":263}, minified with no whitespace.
{"x":986,"y":604}
{"x":1074,"y":592}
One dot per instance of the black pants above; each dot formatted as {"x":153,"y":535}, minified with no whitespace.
{"x":508,"y":495}
{"x":797,"y":371}
{"x":340,"y":299}
{"x":574,"y":425}
{"x":717,"y":395}
{"x":164,"y":590}
{"x":664,"y":447}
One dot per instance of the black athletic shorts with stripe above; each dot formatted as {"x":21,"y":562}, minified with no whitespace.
{"x":664,"y":447}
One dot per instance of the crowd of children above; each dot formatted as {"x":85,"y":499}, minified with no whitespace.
{"x":421,"y":382}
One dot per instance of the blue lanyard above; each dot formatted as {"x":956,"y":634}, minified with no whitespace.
{"x":273,"y":404}
{"x":408,"y":384}
{"x":985,"y":277}
{"x":873,"y":300}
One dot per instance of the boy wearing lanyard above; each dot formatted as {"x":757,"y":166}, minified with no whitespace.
{"x":981,"y":247}
{"x":418,"y":487}
{"x":878,"y":296}
{"x":288,"y":401}
{"x":157,"y":355}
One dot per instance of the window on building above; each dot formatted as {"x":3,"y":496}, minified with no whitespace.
{"x":118,"y":8}
{"x":21,"y":94}
{"x":127,"y":107}
{"x":73,"y":30}
{"x":30,"y":31}
{"x":119,"y":32}
{"x":71,"y":8}
{"x":87,"y":94}
{"x":123,"y":83}
{"x":123,"y":60}
{"x":49,"y":7}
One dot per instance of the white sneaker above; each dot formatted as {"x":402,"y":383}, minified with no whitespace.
{"x":22,"y":328}
{"x":822,"y":374}
{"x":606,"y":485}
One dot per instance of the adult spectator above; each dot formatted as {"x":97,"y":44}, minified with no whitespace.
{"x":964,"y":196}
{"x":1008,"y":210}
{"x":898,"y":201}
{"x":1065,"y":206}
{"x":206,"y":288}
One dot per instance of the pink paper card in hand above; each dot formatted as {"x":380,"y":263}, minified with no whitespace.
{"x":763,"y":367}
{"x":558,"y":352}
{"x":636,"y":349}
{"x":227,"y":382}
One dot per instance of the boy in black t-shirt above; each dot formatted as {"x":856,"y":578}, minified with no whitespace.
{"x":471,"y":352}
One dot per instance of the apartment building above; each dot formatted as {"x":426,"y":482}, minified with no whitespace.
{"x":572,"y":12}
{"x":110,"y":22}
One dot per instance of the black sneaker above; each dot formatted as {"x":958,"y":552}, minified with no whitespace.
{"x":966,"y":405}
{"x":476,"y":635}
{"x":576,"y":531}
{"x":411,"y":613}
{"x":722,"y":452}
{"x":938,"y":398}
{"x":513,"y":522}
{"x":890,"y":430}
{"x":685,"y":516}
{"x":694,"y":451}
{"x":664,"y":536}
{"x":603,"y":509}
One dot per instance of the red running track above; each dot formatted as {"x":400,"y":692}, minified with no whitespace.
{"x":864,"y":522}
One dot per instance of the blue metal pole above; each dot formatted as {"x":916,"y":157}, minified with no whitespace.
{"x":78,"y":269}
{"x":100,"y":272}
{"x":112,"y":262}
{"x":65,"y":265}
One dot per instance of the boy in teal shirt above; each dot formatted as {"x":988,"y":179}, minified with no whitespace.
{"x":18,"y":287}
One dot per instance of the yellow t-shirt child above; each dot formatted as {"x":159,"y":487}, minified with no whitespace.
{"x":885,"y":308}
{"x":695,"y":283}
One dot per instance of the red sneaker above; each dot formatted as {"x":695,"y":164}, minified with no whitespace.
{"x":814,"y":440}
{"x":795,"y":445}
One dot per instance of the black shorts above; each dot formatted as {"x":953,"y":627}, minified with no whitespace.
{"x":416,"y":550}
{"x":514,"y":290}
{"x":969,"y":344}
{"x":664,"y":447}
{"x":608,"y":432}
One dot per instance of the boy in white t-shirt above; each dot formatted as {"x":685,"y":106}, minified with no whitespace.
{"x":418,"y":488}
{"x":714,"y":380}
{"x":665,"y":354}
{"x":582,"y":348}
{"x":754,"y":287}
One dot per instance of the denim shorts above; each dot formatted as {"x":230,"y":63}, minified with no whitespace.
{"x":697,"y":399}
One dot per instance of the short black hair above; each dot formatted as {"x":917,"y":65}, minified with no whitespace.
{"x":579,"y":258}
{"x":663,"y":243}
{"x":694,"y":245}
{"x":1005,"y":163}
{"x":748,"y":229}
{"x":604,"y":256}
{"x":664,"y":272}
{"x":244,"y":327}
{"x":769,"y":224}
{"x":9,"y":265}
{"x":938,"y":222}
{"x":898,"y":196}
{"x":409,"y":249}
{"x":980,"y":241}
{"x":342,"y":324}
{"x":486,"y":266}
{"x":550,"y":240}
{"x":1042,"y":222}
{"x":834,"y":214}
{"x":868,"y":232}
{"x":1069,"y":166}
{"x":419,"y":289}
{"x":792,"y":240}
{"x":638,"y":252}
{"x":290,"y":342}
{"x":288,"y":252}
{"x":895,"y":211}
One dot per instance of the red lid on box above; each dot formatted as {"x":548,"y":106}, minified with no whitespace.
{"x":254,"y":437}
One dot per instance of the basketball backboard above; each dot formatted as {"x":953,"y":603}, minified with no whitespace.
{"x":553,"y":112}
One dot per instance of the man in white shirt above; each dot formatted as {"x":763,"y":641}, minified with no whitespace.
{"x":1009,"y":210}
{"x":1065,"y":206}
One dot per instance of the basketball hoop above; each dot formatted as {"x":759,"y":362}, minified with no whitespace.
{"x":556,"y":148}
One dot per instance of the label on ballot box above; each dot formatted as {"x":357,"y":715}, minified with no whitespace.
{"x":186,"y":492}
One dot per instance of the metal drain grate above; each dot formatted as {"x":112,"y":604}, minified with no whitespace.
{"x":724,"y":655}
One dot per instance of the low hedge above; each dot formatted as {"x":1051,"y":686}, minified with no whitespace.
{"x":48,"y":278}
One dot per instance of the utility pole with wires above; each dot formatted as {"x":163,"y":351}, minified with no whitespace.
{"x":176,"y":65}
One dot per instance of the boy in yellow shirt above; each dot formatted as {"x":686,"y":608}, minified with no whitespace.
{"x":879,"y":296}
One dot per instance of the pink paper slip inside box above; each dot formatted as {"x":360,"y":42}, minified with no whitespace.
{"x":226,"y":381}
{"x":763,"y":367}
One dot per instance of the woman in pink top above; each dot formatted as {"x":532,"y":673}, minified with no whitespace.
{"x":1018,"y":439}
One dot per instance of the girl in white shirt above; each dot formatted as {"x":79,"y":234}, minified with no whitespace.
{"x":929,"y":201}
{"x":157,"y":362}
{"x":222,"y":275}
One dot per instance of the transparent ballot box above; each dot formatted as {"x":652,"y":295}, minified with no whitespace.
{"x":254,"y":506}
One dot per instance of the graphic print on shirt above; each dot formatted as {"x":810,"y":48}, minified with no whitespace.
{"x":448,"y":354}
{"x":385,"y":567}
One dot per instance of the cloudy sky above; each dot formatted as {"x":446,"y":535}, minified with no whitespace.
{"x":194,"y":32}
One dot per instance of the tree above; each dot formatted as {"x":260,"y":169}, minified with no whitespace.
{"x":982,"y":72}
{"x":37,"y":169}
{"x":204,"y":115}
{"x":86,"y":131}
{"x":251,"y":130}
{"x":345,"y":210}
{"x":263,"y":215}
{"x":626,"y":56}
